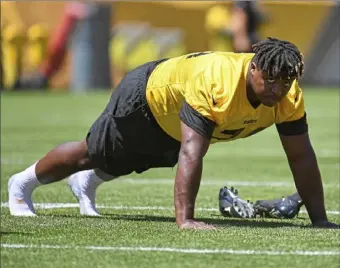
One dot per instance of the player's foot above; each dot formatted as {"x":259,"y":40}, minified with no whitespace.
{"x":231,"y":205}
{"x":84,"y":189}
{"x":284,"y":208}
{"x":20,"y":196}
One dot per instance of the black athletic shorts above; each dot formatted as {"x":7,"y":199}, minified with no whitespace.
{"x":126,"y":136}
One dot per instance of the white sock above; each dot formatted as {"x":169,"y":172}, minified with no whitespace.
{"x":28,"y":178}
{"x":92,"y":179}
{"x":83,"y":185}
{"x":20,"y":188}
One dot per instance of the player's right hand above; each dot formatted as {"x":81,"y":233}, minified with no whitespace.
{"x":196,"y":225}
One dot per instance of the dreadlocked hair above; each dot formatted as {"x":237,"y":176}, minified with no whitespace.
{"x":278,"y":57}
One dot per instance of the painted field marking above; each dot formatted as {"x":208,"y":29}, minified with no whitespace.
{"x":155,"y":208}
{"x":178,"y":250}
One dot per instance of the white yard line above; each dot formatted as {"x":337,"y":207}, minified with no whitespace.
{"x":219,"y":182}
{"x":178,"y":250}
{"x":76,"y":205}
{"x":213,"y":182}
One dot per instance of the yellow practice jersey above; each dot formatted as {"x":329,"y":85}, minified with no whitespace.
{"x":213,"y":86}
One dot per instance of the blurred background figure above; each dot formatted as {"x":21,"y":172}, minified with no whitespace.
{"x":246,"y":19}
{"x":235,"y":27}
{"x":57,"y":48}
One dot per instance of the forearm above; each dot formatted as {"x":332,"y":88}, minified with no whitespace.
{"x":309,"y":185}
{"x":187,"y":184}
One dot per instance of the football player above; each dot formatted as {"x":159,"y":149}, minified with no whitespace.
{"x":170,"y":111}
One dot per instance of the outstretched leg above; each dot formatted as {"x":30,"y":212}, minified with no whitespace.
{"x":62,"y":161}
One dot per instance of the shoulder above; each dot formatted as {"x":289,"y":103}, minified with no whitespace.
{"x":293,"y":96}
{"x":291,"y":107}
{"x":230,"y":71}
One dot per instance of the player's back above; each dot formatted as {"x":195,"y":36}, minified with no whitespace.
{"x":168,"y":81}
{"x":189,"y":77}
{"x":184,"y":68}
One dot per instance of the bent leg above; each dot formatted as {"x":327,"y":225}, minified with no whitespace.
{"x":63,"y":161}
{"x":59,"y":163}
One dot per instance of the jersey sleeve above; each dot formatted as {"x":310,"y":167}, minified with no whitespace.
{"x":196,"y":110}
{"x":291,"y":118}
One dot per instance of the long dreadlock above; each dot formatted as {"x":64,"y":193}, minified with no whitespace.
{"x":276,"y":57}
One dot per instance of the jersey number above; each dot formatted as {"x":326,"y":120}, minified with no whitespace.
{"x":235,"y":132}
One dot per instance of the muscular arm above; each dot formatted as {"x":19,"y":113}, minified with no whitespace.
{"x":189,"y":171}
{"x":303,"y":164}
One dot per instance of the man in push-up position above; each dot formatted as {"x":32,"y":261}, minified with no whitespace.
{"x":170,"y":111}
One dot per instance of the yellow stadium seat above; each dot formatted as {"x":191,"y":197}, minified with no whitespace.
{"x":13,"y":39}
{"x":37,"y":44}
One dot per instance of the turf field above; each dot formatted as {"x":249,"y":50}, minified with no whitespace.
{"x":138,"y":227}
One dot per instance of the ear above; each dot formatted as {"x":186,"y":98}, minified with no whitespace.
{"x":252,"y":68}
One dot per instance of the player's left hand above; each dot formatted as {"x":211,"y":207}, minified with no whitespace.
{"x":326,"y":224}
{"x":196,"y":225}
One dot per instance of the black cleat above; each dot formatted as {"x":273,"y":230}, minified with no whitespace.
{"x":284,"y":208}
{"x":231,"y":205}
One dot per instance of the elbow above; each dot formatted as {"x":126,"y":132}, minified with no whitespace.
{"x":189,"y":157}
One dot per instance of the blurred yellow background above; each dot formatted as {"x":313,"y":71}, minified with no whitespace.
{"x":296,"y":21}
